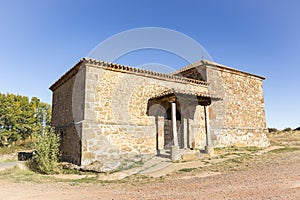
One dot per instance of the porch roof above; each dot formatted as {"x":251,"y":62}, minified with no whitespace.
{"x":172,"y":95}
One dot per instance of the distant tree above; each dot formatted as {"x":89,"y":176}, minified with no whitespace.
{"x":9,"y":117}
{"x":42,"y":115}
{"x":21,"y":118}
{"x":297,"y":129}
{"x":272,"y":130}
{"x":287,"y":129}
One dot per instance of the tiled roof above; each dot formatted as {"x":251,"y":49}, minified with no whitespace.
{"x":206,"y":62}
{"x":179,"y":92}
{"x":123,"y":69}
{"x":190,"y":66}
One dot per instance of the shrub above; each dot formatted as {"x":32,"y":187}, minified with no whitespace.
{"x":47,"y":151}
{"x":272,"y":130}
{"x":287,"y":129}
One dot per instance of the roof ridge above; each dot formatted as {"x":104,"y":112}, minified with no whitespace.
{"x":188,"y":67}
{"x":122,"y":68}
{"x":212,"y":63}
{"x":119,"y":67}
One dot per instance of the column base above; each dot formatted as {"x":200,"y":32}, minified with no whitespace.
{"x":175,"y":153}
{"x":209,"y":150}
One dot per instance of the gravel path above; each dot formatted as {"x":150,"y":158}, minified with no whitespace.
{"x":8,"y":165}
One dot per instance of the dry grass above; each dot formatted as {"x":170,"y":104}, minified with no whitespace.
{"x":240,"y":158}
{"x":17,"y":174}
{"x":225,"y":160}
{"x":290,"y":138}
{"x":23,"y":145}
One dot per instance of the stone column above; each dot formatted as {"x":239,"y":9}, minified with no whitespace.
{"x":175,"y":153}
{"x":208,"y":148}
{"x":174,"y":124}
{"x":160,"y":133}
{"x":185,"y":134}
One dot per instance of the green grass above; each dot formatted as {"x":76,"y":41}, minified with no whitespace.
{"x":17,"y":174}
{"x":252,"y":149}
{"x":23,"y":175}
{"x":233,"y":148}
{"x":187,"y":169}
{"x":285,"y":150}
{"x":76,"y":172}
{"x":93,"y":179}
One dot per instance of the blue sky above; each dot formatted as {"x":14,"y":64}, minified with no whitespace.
{"x":40,"y":40}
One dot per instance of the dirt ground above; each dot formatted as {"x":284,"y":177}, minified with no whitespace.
{"x":271,"y":176}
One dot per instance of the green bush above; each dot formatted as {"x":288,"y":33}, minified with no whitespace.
{"x":47,"y":150}
{"x":272,"y":130}
{"x":287,"y":129}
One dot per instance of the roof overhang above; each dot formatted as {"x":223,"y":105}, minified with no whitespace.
{"x":172,"y":95}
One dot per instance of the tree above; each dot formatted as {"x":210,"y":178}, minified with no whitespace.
{"x":272,"y":130}
{"x":9,"y":116}
{"x":21,"y":118}
{"x":287,"y":129}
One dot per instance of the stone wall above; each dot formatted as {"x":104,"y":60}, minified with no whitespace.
{"x":70,"y":143}
{"x":68,"y":110}
{"x":239,"y":118}
{"x":199,"y":132}
{"x":104,"y":114}
{"x":116,"y":125}
{"x":67,"y":99}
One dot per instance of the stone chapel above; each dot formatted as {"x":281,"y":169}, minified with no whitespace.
{"x":109,"y":113}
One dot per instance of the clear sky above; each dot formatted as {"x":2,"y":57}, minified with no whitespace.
{"x":40,"y":40}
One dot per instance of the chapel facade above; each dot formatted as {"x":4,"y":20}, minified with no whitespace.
{"x":110,"y":113}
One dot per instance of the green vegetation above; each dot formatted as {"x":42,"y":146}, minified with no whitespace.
{"x":47,"y":151}
{"x":287,"y":129}
{"x":18,"y":175}
{"x":21,"y":119}
{"x":272,"y":130}
{"x":235,"y":149}
{"x":285,"y":150}
{"x":187,"y":169}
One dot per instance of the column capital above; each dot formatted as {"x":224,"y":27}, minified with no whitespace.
{"x":172,"y":99}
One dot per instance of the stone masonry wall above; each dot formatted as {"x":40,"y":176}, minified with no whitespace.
{"x":199,"y":128}
{"x":239,"y":118}
{"x":67,"y":110}
{"x":116,"y":126}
